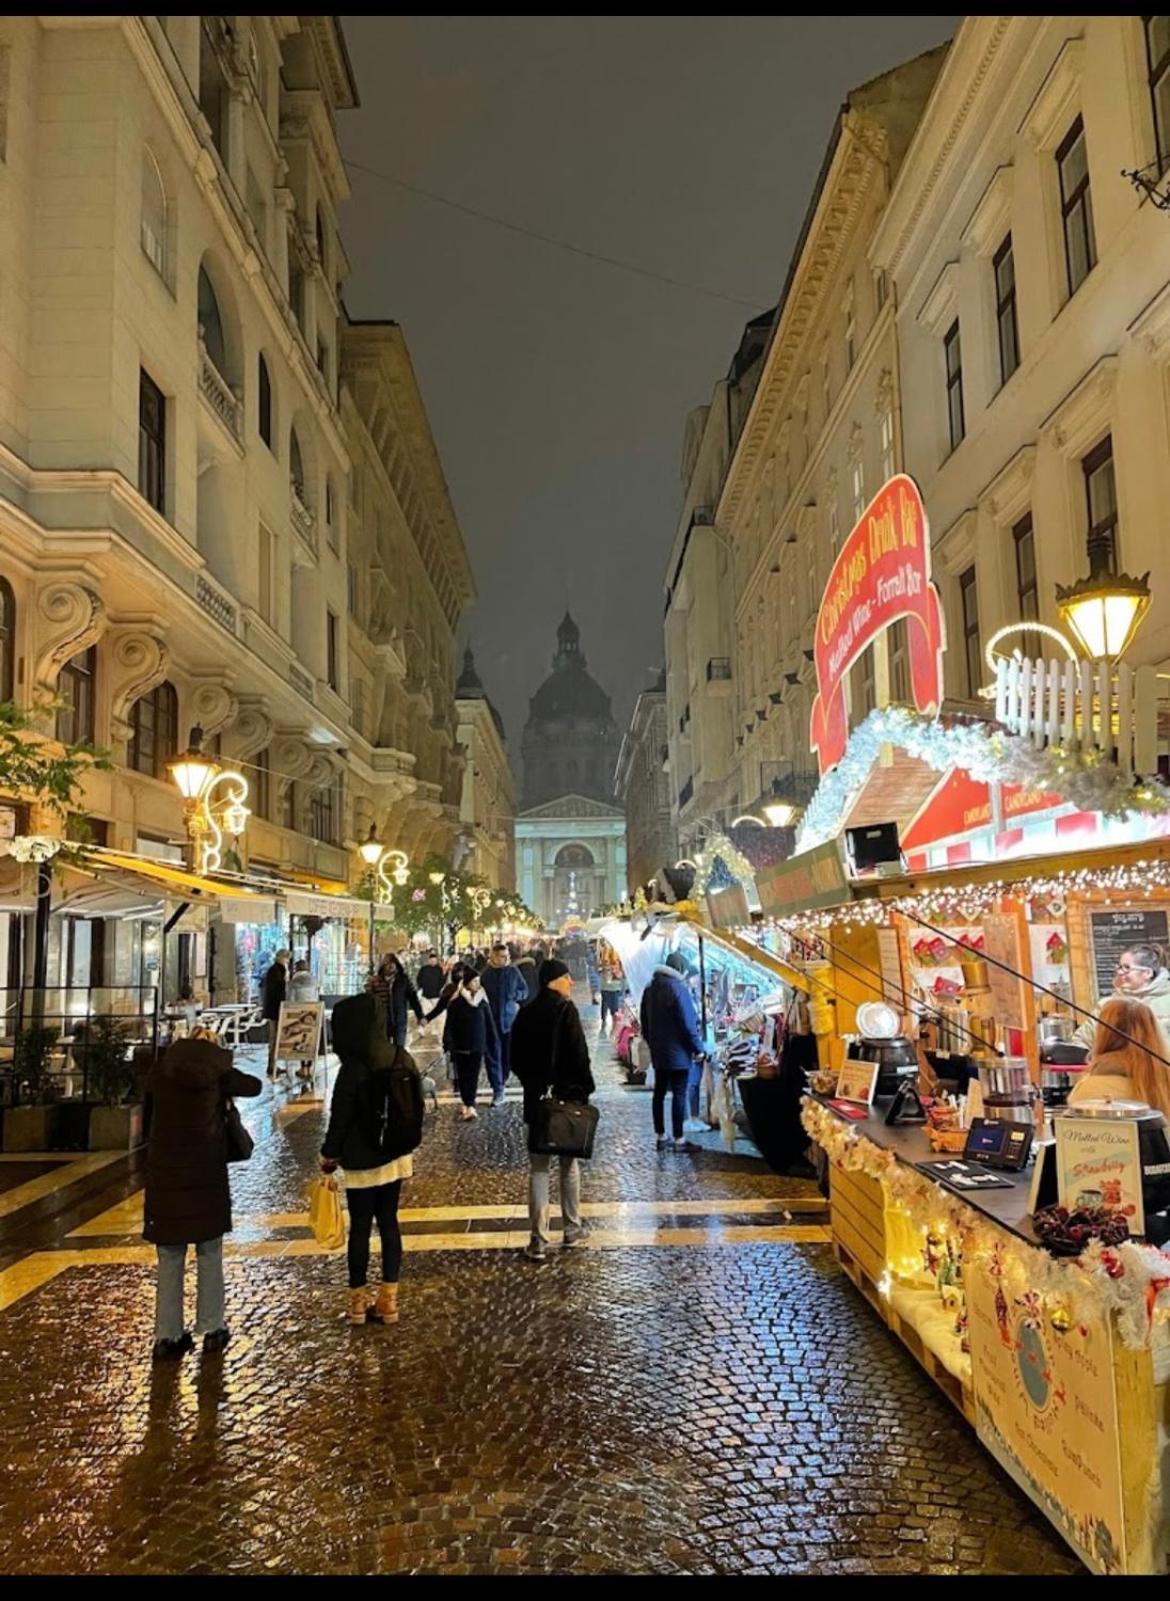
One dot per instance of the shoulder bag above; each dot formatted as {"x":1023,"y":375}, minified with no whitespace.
{"x":562,"y":1127}
{"x":239,"y":1142}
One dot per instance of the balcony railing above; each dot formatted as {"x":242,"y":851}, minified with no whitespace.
{"x":215,"y":603}
{"x":220,"y":396}
{"x":1099,"y":705}
{"x":300,"y":679}
{"x":780,"y":781}
{"x":719,"y":669}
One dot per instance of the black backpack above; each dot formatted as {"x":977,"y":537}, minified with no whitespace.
{"x":394,"y":1107}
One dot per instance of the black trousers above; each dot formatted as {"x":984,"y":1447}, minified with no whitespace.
{"x":467,"y":1066}
{"x":674,"y":1082}
{"x":377,"y":1204}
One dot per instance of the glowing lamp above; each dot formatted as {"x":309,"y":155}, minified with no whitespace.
{"x":235,"y":817}
{"x":370,"y":849}
{"x":192,"y":771}
{"x":437,"y":878}
{"x":779,"y":813}
{"x":1104,"y":611}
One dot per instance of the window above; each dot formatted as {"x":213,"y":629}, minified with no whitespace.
{"x":257,"y":210}
{"x":152,"y":442}
{"x":332,"y":665}
{"x":956,"y":421}
{"x":866,"y":685}
{"x":296,"y":286}
{"x":899,"y":663}
{"x":266,"y":576}
{"x":7,"y":641}
{"x":264,"y":398}
{"x":154,"y":721}
{"x":972,"y":657}
{"x":880,"y":288}
{"x":331,"y":526}
{"x":1004,"y":265}
{"x":262,"y":786}
{"x":296,"y":467}
{"x":351,"y":588}
{"x":834,"y":525}
{"x":152,"y":223}
{"x":886,"y":436}
{"x":75,"y":684}
{"x":1027,"y":589}
{"x":320,"y":238}
{"x":1158,"y":62}
{"x":288,"y":805}
{"x":1101,"y":501}
{"x":358,"y":707}
{"x":857,"y":479}
{"x":323,"y":810}
{"x":850,"y":330}
{"x":211,"y":324}
{"x":1076,"y":206}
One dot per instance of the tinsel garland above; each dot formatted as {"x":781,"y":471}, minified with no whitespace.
{"x":1087,"y":777}
{"x":1129,"y":1282}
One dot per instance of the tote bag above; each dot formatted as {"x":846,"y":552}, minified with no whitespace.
{"x":326,"y":1217}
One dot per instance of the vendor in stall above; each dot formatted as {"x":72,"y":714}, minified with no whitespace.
{"x":1128,"y":1059}
{"x":1142,"y":975}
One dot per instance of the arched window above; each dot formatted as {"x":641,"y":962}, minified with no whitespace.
{"x":264,"y":396}
{"x":154,"y":724}
{"x":211,"y":324}
{"x":152,"y":227}
{"x":7,"y":641}
{"x":296,"y":466}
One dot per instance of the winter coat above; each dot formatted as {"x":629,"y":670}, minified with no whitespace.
{"x":549,"y":1051}
{"x":396,"y":994}
{"x":361,"y":1043}
{"x":526,"y":967}
{"x":187,"y":1195}
{"x":1156,"y":997}
{"x":274,"y":991}
{"x":669,"y":1024}
{"x":469,"y":1026}
{"x":506,"y":990}
{"x":430,"y":981}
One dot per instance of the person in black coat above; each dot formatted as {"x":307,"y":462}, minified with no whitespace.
{"x":469,"y":1033}
{"x":396,"y":993}
{"x":272,"y":998}
{"x":372,"y":1184}
{"x":188,"y":1199}
{"x":430,"y":977}
{"x":549,"y":1053}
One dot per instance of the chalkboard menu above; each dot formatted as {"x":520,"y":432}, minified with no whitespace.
{"x":1115,"y":930}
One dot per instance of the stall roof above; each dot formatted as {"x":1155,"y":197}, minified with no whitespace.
{"x":172,"y":879}
{"x":1018,"y":870}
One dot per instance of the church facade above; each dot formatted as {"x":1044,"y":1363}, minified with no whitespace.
{"x":570,"y":836}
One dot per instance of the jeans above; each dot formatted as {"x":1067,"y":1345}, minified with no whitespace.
{"x":496,"y":1059}
{"x":377,"y":1204}
{"x":538,"y":1194}
{"x":210,"y":1311}
{"x":398,"y":1034}
{"x":675,"y":1080}
{"x":467,"y":1066}
{"x":611,"y":1004}
{"x":695,"y":1088}
{"x":272,"y":1027}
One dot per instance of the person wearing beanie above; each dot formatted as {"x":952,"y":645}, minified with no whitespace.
{"x":671,"y":1030}
{"x":549,"y":1053}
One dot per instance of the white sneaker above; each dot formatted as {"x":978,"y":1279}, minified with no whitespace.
{"x":469,"y":1114}
{"x":694,"y":1125}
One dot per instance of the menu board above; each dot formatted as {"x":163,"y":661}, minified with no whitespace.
{"x":1002,"y":937}
{"x":1115,"y":930}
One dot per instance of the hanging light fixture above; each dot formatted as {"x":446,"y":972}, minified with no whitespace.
{"x":779,"y":813}
{"x":192,"y":772}
{"x":370,"y":849}
{"x":1104,"y":612}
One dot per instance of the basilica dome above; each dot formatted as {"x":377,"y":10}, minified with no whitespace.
{"x":570,"y":741}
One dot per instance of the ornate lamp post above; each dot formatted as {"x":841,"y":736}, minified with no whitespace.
{"x":1104,"y":611}
{"x":387,"y":867}
{"x":208,"y":815}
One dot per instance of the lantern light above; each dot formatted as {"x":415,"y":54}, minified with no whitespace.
{"x":779,"y":813}
{"x":192,"y":772}
{"x":370,"y":850}
{"x":1104,"y":611}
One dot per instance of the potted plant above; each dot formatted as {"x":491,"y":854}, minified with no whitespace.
{"x":27,"y":1124}
{"x":115,"y":1119}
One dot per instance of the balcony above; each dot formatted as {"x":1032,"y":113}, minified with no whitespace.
{"x":220,"y":395}
{"x":719,"y":670}
{"x":300,"y":679}
{"x":781,"y":783}
{"x":304,"y":525}
{"x":216,"y":603}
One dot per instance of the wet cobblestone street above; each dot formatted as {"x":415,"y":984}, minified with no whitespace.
{"x":697,"y":1390}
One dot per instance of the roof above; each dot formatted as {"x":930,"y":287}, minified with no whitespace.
{"x":569,"y":690}
{"x":469,"y":686}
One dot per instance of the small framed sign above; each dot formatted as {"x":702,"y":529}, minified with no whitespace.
{"x":856,"y":1081}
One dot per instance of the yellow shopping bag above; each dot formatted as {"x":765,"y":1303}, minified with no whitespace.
{"x":326,"y":1217}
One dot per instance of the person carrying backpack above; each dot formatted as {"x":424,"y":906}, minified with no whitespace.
{"x":375,"y":1122}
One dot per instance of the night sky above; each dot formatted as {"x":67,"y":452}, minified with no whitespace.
{"x":558,"y":386}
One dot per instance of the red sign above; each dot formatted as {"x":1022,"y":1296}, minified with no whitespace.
{"x":962,"y":805}
{"x":882,"y":573}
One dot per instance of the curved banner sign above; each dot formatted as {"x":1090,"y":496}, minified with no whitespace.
{"x":882,"y":573}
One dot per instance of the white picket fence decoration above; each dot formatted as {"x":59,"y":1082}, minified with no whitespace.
{"x":1104,"y":704}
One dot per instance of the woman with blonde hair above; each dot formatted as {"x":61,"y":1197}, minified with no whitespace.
{"x":1129,"y":1059}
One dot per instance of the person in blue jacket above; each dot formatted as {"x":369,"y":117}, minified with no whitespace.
{"x":507,"y":990}
{"x":671,"y":1029}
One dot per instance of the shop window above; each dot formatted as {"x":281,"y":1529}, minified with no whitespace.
{"x":1007,"y":326}
{"x":154,"y":722}
{"x":1101,"y":506}
{"x":152,"y":442}
{"x":264,"y":401}
{"x":1158,"y":64}
{"x":956,"y":420}
{"x":7,"y":641}
{"x":1076,"y":206}
{"x":972,"y":655}
{"x":75,"y":691}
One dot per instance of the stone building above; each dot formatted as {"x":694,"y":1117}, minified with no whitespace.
{"x":570,"y":838}
{"x":642,"y":787}
{"x":488,"y":805}
{"x":219,"y":504}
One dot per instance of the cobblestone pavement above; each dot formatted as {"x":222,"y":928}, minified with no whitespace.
{"x":697,"y":1390}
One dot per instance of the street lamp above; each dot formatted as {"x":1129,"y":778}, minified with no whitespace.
{"x":387,"y":867}
{"x":193,"y":771}
{"x":780,"y":814}
{"x":1104,"y":611}
{"x":370,"y":849}
{"x":197,"y":777}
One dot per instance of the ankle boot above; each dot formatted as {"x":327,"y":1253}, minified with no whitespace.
{"x":359,"y":1303}
{"x":385,"y":1308}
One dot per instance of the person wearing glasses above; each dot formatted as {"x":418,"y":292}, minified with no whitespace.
{"x":1141,"y":975}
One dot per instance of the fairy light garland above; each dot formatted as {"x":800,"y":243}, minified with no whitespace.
{"x":718,"y":848}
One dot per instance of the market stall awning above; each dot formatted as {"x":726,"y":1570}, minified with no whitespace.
{"x":177,"y":883}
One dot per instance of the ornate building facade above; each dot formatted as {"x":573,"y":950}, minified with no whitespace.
{"x":488,"y":805}
{"x":642,"y":787}
{"x":570,"y":837}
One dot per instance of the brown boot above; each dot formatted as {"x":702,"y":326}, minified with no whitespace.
{"x":385,"y":1308}
{"x":359,"y":1305}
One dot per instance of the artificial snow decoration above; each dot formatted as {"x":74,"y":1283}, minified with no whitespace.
{"x":31,"y":848}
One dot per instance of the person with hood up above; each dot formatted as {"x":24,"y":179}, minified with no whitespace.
{"x":470,"y":1034}
{"x":671,"y":1030}
{"x":188,"y":1199}
{"x":549,"y":1053}
{"x":395,"y":991}
{"x":1141,"y":975}
{"x":507,"y":992}
{"x":373,"y":1185}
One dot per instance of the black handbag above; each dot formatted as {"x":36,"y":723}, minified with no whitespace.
{"x":563,"y":1128}
{"x":239,"y":1142}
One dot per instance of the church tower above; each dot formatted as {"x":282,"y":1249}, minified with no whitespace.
{"x":570,"y":742}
